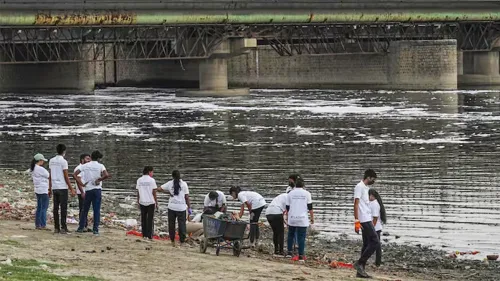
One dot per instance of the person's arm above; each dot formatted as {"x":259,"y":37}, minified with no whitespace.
{"x":138,"y":199}
{"x":375,"y":220}
{"x":223,"y":208}
{"x":242,"y":210}
{"x":104,"y":175}
{"x":68,"y":182}
{"x":310,"y":207}
{"x":223,"y":201}
{"x":356,"y":208}
{"x":186,"y":197}
{"x":156,"y":199}
{"x":50,"y":185}
{"x":79,"y":183}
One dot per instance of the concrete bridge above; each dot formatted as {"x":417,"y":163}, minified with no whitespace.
{"x":74,"y":45}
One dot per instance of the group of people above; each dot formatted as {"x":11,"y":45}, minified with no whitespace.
{"x":55,"y":184}
{"x":292,"y":209}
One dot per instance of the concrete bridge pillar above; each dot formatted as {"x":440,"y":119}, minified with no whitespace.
{"x":481,"y":70}
{"x":213,"y":71}
{"x":53,"y":77}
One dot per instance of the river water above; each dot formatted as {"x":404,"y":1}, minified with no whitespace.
{"x":436,"y":153}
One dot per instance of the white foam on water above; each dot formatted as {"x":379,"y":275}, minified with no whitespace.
{"x":113,"y":129}
{"x":182,"y":125}
{"x":453,"y":140}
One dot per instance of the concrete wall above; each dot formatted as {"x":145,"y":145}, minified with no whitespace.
{"x":409,"y":65}
{"x":429,"y":65}
{"x":167,"y":73}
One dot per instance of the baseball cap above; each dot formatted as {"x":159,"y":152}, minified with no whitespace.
{"x":39,"y":157}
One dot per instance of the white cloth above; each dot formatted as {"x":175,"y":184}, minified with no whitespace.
{"x":361,"y":193}
{"x":277,"y":206}
{"x":145,"y":186}
{"x":255,"y":199}
{"x":375,"y":210}
{"x":91,"y":172}
{"x":176,"y":202}
{"x":57,"y":165}
{"x":297,"y":201}
{"x":221,"y":200}
{"x":40,"y":180}
{"x":80,"y":176}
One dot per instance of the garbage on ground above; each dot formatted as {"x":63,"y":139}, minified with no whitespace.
{"x":339,"y":264}
{"x":155,"y":237}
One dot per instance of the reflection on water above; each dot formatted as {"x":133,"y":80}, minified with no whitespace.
{"x":435,"y":152}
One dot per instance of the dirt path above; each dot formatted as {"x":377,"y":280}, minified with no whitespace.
{"x":118,"y":257}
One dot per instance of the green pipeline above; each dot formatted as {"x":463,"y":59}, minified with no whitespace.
{"x":171,"y":18}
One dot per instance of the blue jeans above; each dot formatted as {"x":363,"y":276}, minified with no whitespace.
{"x":42,"y":204}
{"x":91,"y":197}
{"x":300,"y":234}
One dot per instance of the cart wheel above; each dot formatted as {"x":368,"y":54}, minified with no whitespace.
{"x":203,"y":245}
{"x":237,"y":248}
{"x":217,"y":251}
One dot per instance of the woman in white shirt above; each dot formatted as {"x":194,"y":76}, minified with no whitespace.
{"x":274,"y":214}
{"x":215,"y":201}
{"x":177,"y":205}
{"x":255,"y":204}
{"x":146,"y":199}
{"x":379,"y":216}
{"x":42,"y":190}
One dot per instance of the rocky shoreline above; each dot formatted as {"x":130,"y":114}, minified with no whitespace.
{"x":17,"y":202}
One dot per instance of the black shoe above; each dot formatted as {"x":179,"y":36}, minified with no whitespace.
{"x":65,"y":231}
{"x":57,"y":231}
{"x":360,"y":270}
{"x":363,"y":276}
{"x":80,"y":231}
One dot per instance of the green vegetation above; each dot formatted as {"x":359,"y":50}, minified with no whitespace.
{"x":28,"y":270}
{"x":11,"y":243}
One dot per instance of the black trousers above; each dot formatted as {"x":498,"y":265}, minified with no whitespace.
{"x":181,"y":220}
{"x":370,"y":242}
{"x":254,"y":226}
{"x":60,"y":200}
{"x":278,"y":227}
{"x":147,"y":215}
{"x":378,"y":259}
{"x":80,"y":207}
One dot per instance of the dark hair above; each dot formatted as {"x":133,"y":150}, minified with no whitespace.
{"x":32,"y":165}
{"x":60,"y":148}
{"x":147,"y":170}
{"x":370,"y":174}
{"x":294,"y":178}
{"x":300,"y":182}
{"x":82,"y":156}
{"x":96,"y":155}
{"x":213,"y":195}
{"x":176,"y":175}
{"x":375,"y":194}
{"x":235,"y":189}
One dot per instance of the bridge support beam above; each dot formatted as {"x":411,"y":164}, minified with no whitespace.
{"x":213,"y":71}
{"x":481,"y":71}
{"x":66,"y":77}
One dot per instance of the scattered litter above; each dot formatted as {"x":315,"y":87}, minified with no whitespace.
{"x":7,"y":262}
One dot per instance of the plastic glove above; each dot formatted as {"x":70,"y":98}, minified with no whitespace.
{"x":357,"y":226}
{"x":190,"y":211}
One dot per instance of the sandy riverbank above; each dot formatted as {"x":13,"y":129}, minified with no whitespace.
{"x":130,"y":260}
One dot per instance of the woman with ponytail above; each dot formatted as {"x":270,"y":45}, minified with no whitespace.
{"x":177,"y":205}
{"x":42,"y":190}
{"x":379,"y":218}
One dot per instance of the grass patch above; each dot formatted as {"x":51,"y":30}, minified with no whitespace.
{"x":11,"y":243}
{"x":28,"y":270}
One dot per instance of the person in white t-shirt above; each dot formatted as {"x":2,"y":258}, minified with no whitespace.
{"x":378,"y":216}
{"x":80,"y":191}
{"x":274,"y":214}
{"x":146,"y":199}
{"x":93,"y":174}
{"x":255,"y":204}
{"x":292,"y":178}
{"x":59,"y":183}
{"x":177,"y":205}
{"x":41,"y":182}
{"x":215,"y":201}
{"x":298,"y":205}
{"x":363,"y":222}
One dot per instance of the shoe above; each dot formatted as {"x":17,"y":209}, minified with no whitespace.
{"x":88,"y":230}
{"x":65,"y":231}
{"x":57,"y":231}
{"x":278,"y":255}
{"x":288,"y":255}
{"x":96,"y":233}
{"x":44,"y":228}
{"x":173,"y":244}
{"x":301,"y":259}
{"x":363,"y":276}
{"x":360,"y":270}
{"x":80,"y":231}
{"x":37,"y":228}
